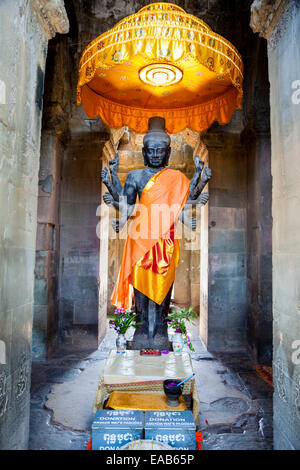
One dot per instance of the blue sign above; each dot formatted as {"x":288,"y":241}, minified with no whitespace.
{"x":111,"y":429}
{"x":175,"y":428}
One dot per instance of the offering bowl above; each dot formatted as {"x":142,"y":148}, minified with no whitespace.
{"x":172,"y":391}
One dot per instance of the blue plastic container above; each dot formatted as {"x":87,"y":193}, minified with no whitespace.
{"x":111,"y":429}
{"x":175,"y":428}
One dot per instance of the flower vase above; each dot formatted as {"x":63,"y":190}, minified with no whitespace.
{"x":121,"y":343}
{"x":177,"y":344}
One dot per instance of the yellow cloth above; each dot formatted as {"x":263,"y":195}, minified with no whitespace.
{"x":154,"y":274}
{"x":210,"y":89}
{"x":153,"y":285}
{"x":142,"y":401}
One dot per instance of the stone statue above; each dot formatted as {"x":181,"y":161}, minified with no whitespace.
{"x":150,"y":268}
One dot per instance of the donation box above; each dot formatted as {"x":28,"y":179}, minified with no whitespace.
{"x":175,"y":428}
{"x":111,"y":429}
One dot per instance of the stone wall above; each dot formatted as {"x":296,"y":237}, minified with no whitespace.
{"x":279,"y":23}
{"x":223,"y":307}
{"x":259,"y":247}
{"x":45,"y":319}
{"x":284,"y":71}
{"x":23,"y":52}
{"x":79,"y":244}
{"x":67,"y":264}
{"x":257,"y":143}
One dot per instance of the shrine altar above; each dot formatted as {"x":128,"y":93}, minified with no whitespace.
{"x":132,"y":372}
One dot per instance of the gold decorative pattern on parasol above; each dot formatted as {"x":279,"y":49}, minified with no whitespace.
{"x":160,"y":62}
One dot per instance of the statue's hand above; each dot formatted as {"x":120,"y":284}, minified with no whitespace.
{"x":116,"y":225}
{"x":108,"y":199}
{"x":104,"y":175}
{"x":202,"y":199}
{"x":199,"y":164}
{"x":206,"y":175}
{"x":114,"y":164}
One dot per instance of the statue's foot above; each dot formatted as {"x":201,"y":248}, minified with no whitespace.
{"x":160,"y":342}
{"x":142,"y":341}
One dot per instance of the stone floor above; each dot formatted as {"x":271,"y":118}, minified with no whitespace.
{"x":236,"y":404}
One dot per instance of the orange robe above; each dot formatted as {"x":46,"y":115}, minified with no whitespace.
{"x":151,"y":252}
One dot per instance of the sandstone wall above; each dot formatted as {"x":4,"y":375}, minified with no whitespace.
{"x":257,"y":147}
{"x":79,"y":244}
{"x":45,"y":318}
{"x":24,"y":32}
{"x":22,"y":61}
{"x":284,"y":70}
{"x":223,"y":304}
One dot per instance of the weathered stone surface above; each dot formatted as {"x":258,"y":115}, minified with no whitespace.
{"x":230,"y":404}
{"x":265,"y":15}
{"x":223,"y":246}
{"x":80,"y":390}
{"x":79,"y":244}
{"x":22,"y":64}
{"x":52,"y":15}
{"x":283,"y":68}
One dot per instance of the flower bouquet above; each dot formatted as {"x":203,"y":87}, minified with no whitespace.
{"x":177,"y":321}
{"x":121,"y":321}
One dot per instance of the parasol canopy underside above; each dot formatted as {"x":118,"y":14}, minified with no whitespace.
{"x":160,"y":61}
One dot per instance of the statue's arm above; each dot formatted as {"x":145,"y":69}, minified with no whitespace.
{"x":113,"y":168}
{"x":126,"y":202}
{"x":114,"y":185}
{"x":109,"y":201}
{"x":199,"y":164}
{"x":206,"y":176}
{"x":111,"y":188}
{"x":200,"y":201}
{"x":190,"y":222}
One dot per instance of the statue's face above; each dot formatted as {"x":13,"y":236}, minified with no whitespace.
{"x":156,"y":153}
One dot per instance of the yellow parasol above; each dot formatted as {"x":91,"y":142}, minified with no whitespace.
{"x":160,"y":62}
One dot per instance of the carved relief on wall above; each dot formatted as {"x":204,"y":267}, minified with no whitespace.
{"x":23,"y":377}
{"x":265,"y":15}
{"x":53,"y":16}
{"x":3,"y":393}
{"x":280,"y":382}
{"x":296,"y":395}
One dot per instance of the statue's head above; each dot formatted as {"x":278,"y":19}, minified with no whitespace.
{"x":156,"y":150}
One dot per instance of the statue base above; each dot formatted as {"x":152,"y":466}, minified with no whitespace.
{"x":142,"y":341}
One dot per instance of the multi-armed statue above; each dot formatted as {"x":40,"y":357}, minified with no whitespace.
{"x":151,"y":252}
